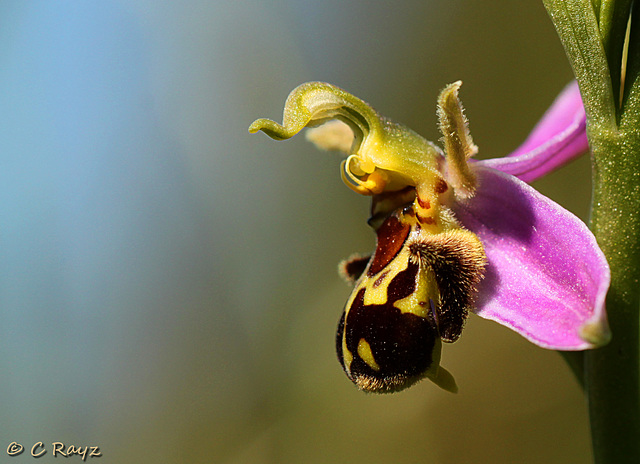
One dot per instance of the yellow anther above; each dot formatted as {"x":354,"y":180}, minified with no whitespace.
{"x":366,"y":165}
{"x":352,"y":181}
{"x":374,"y":183}
{"x":353,"y":166}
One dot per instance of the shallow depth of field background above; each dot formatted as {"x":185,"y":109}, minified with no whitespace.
{"x":168,"y":285}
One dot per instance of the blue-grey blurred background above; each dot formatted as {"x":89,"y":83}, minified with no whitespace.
{"x":168,"y":284}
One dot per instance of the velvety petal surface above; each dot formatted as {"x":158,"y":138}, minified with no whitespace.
{"x":546,"y":276}
{"x":558,"y":138}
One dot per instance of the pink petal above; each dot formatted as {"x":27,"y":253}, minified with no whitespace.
{"x":558,"y":138}
{"x":546,"y":276}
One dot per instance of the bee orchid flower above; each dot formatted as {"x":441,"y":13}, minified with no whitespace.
{"x":454,"y":236}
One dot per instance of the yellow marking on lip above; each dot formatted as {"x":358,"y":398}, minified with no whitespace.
{"x":364,"y":351}
{"x":418,"y":302}
{"x":376,"y":294}
{"x":347,"y":357}
{"x":413,"y":305}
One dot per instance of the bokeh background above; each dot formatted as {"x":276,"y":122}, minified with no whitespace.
{"x":168,"y":285}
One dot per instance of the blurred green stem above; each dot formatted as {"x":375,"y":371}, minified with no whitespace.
{"x":593,"y":34}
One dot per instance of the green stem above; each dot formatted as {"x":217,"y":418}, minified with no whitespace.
{"x":592,"y":33}
{"x":611,"y":372}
